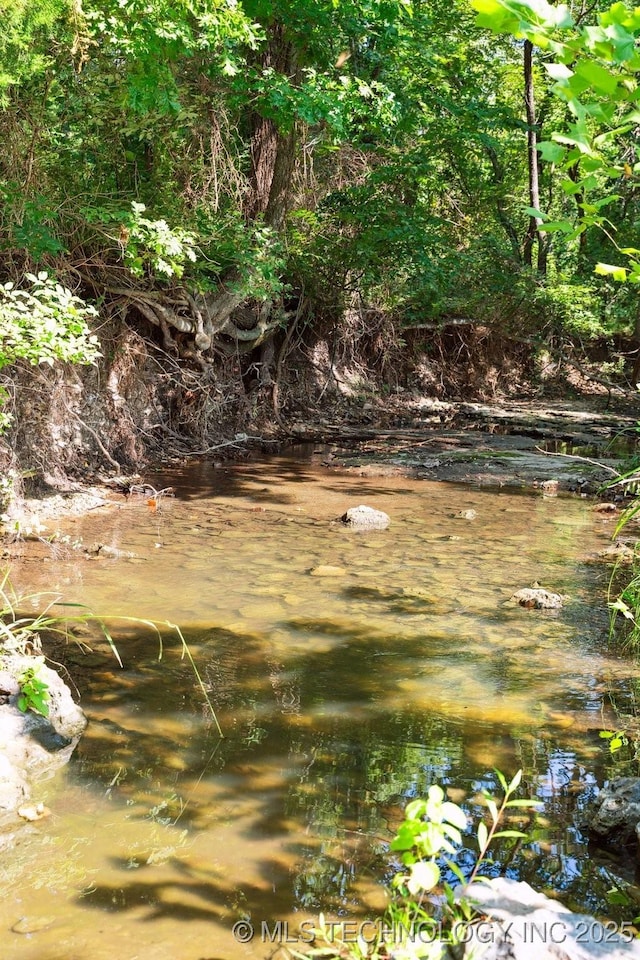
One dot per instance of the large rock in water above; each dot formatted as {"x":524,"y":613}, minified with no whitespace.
{"x":616,"y":812}
{"x":525,"y":925}
{"x":365,"y":518}
{"x":32,"y":746}
{"x":538,"y":598}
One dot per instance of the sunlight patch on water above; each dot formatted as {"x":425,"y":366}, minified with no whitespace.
{"x":340,"y":698}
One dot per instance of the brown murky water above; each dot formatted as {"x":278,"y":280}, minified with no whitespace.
{"x":340,"y":698}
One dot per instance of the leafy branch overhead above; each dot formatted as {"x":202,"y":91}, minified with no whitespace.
{"x":213,"y":175}
{"x":593,"y":69}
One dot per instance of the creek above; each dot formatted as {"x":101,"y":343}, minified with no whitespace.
{"x":340,"y":698}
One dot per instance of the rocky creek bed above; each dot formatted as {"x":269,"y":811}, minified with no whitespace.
{"x":471,"y":444}
{"x":561,"y":446}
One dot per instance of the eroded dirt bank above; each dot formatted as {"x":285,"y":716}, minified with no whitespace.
{"x":461,"y":403}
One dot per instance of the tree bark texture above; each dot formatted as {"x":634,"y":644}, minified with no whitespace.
{"x":534,"y":234}
{"x":272,"y":145}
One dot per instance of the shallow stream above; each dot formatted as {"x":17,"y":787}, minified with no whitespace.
{"x":340,"y":698}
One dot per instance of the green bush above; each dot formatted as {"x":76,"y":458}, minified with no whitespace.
{"x":43,"y":324}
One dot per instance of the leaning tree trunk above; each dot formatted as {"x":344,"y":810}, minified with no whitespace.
{"x":534,"y":234}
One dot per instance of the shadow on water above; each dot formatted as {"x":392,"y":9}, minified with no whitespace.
{"x":340,"y":699}
{"x":237,"y":480}
{"x":320,"y":740}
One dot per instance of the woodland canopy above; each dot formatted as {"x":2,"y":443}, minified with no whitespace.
{"x":223,"y":175}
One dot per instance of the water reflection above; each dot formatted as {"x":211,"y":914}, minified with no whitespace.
{"x":341,"y":698}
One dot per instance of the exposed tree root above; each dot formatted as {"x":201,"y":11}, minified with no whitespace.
{"x":226,"y":322}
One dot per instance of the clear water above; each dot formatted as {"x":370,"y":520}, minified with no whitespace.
{"x":339,"y":697}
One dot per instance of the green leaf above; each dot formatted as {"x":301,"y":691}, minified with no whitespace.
{"x":557,"y":226}
{"x":435,"y":794}
{"x":415,"y":810}
{"x":609,"y":270}
{"x":618,"y":897}
{"x":455,"y":869}
{"x":551,"y":152}
{"x":405,"y":838}
{"x":501,"y":780}
{"x":619,"y":606}
{"x":538,"y":214}
{"x":558,"y":71}
{"x":515,"y":783}
{"x":454,"y":814}
{"x":483,"y":836}
{"x":571,"y":188}
{"x":493,"y":809}
{"x":598,"y":78}
{"x":582,"y":143}
{"x":423,"y":876}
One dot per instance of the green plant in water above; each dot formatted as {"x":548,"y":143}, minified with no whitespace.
{"x":430,"y":833}
{"x":624,"y":602}
{"x":34,"y":692}
{"x":617,"y":739}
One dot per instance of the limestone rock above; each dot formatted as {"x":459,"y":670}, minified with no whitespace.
{"x":549,"y":488}
{"x":33,"y":746}
{"x":618,"y":552}
{"x":327,"y":570}
{"x":538,"y":598}
{"x":13,"y":786}
{"x":365,"y":518}
{"x":525,"y":925}
{"x":111,"y":553}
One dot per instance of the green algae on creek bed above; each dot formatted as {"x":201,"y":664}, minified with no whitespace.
{"x":340,"y":699}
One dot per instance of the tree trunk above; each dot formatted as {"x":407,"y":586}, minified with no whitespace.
{"x":272,"y":146}
{"x":503,"y":219}
{"x":534,"y":234}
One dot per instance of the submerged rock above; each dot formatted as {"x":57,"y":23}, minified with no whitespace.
{"x":465,"y":515}
{"x":111,"y":553}
{"x":549,"y":487}
{"x":327,"y":570}
{"x":618,"y":552}
{"x":365,"y":518}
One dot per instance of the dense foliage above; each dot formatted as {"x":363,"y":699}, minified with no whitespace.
{"x":212,"y":167}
